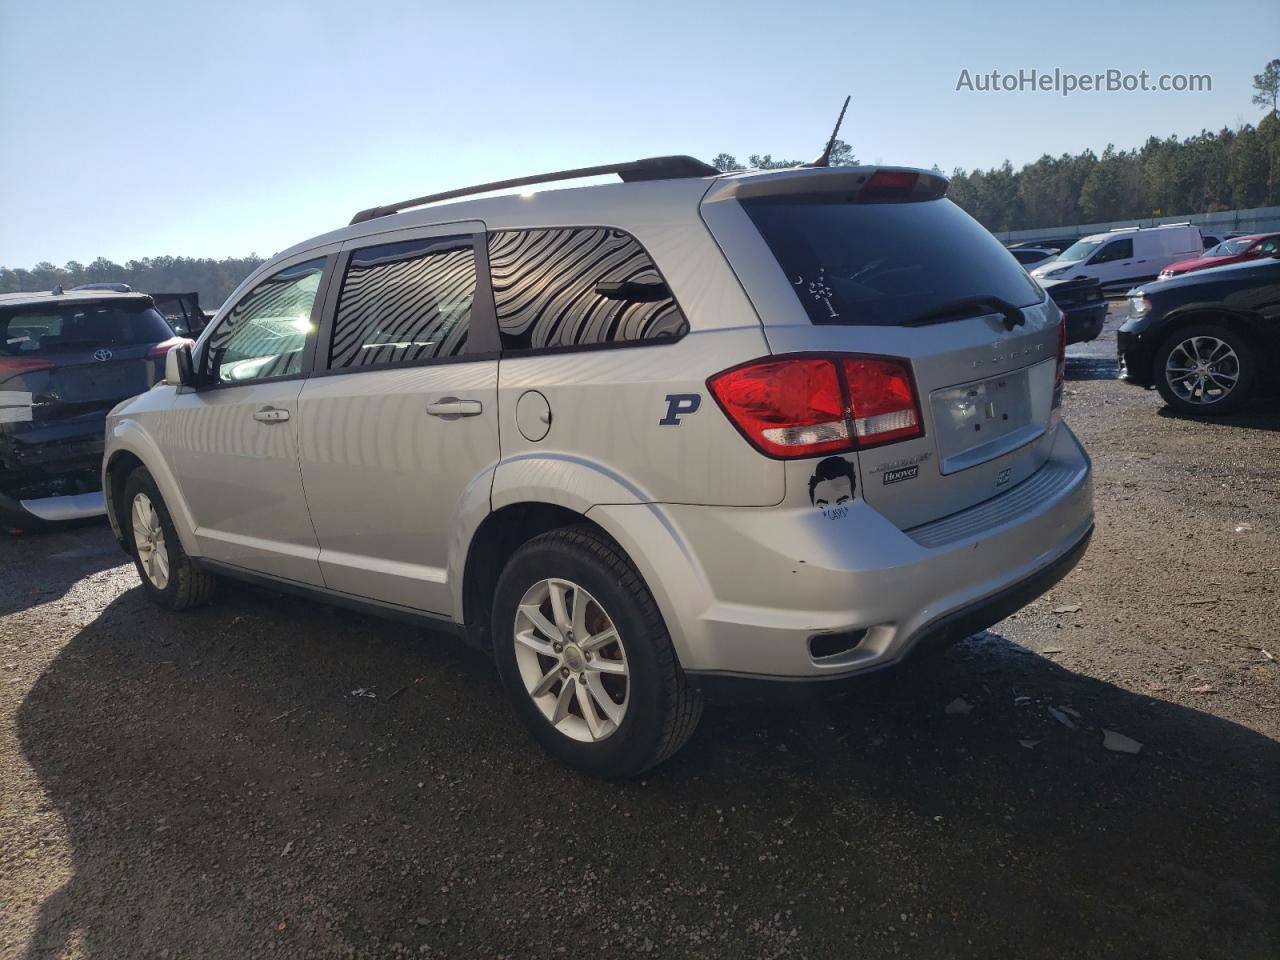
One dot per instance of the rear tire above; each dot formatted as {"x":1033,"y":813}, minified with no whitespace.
{"x":169,"y":577}
{"x":590,"y":671}
{"x":1205,"y":369}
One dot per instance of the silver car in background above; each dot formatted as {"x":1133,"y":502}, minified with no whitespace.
{"x":644,"y":442}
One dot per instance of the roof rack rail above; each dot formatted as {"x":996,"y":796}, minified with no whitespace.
{"x":1154,"y":226}
{"x":650,"y":168}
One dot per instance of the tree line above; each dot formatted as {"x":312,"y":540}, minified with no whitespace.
{"x":1228,"y":170}
{"x":212,"y":279}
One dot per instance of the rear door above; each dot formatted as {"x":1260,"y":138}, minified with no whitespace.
{"x":399,"y":422}
{"x":903,"y":273}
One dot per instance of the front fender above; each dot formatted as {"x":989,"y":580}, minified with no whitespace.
{"x":125,"y":434}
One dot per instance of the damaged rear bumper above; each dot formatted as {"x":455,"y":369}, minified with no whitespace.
{"x":51,"y":472}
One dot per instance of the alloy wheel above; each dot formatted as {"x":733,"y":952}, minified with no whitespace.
{"x":1202,"y":370}
{"x":571,"y":659}
{"x":148,"y":541}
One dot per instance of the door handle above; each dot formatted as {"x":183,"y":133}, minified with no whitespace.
{"x":271,"y":415}
{"x":450,"y":408}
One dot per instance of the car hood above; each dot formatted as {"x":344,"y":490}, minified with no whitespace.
{"x":1237,"y":269}
{"x":1197,"y":262}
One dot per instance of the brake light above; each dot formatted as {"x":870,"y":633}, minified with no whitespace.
{"x":886,"y":182}
{"x":13,"y":365}
{"x":882,"y":398}
{"x":806,"y":405}
{"x":162,"y":348}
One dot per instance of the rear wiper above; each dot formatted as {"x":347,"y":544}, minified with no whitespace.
{"x":970,"y":307}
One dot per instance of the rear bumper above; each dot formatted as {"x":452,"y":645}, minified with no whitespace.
{"x":765,"y":582}
{"x":947,"y":630}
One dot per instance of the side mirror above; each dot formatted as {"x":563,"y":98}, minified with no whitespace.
{"x":179,"y":370}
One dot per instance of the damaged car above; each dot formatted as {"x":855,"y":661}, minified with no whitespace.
{"x":66,"y":358}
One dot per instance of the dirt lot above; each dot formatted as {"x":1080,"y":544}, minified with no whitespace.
{"x":208,"y":785}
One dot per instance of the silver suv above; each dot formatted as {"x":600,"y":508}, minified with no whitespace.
{"x":643,"y":442}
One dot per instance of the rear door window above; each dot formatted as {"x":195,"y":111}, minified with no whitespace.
{"x":578,"y":287}
{"x":405,"y":302}
{"x":885,"y":264}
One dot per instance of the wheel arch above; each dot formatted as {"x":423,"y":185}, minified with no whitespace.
{"x":129,"y":447}
{"x":498,"y":536}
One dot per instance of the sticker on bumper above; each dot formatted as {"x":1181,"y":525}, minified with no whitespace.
{"x":832,"y":486}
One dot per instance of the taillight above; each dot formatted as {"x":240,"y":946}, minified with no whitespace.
{"x":806,"y":405}
{"x":162,"y":348}
{"x":13,"y":365}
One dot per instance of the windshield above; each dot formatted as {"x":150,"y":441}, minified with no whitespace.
{"x":886,"y":263}
{"x":1229,"y":248}
{"x":1080,"y":250}
{"x":30,"y":331}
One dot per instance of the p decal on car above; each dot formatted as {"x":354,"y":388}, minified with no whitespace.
{"x":832,"y":487}
{"x":680,"y":405}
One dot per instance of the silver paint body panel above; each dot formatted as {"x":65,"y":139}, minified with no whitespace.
{"x":362,"y":491}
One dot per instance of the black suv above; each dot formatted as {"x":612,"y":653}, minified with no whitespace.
{"x":65,"y":360}
{"x":1204,"y":339}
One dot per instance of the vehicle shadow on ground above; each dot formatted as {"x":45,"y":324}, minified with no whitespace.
{"x":64,"y":556}
{"x":1259,"y":414}
{"x":267,"y":777}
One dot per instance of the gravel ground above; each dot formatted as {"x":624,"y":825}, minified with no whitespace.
{"x":208,"y":785}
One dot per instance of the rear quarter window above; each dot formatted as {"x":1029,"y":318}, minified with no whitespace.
{"x":574,"y":287}
{"x":885,"y":264}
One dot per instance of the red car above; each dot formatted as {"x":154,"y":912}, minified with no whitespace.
{"x":1228,"y":251}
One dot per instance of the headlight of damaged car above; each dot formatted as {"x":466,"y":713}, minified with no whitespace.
{"x":1138,"y":305}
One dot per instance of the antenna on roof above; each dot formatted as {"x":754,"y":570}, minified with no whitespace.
{"x":825,"y":159}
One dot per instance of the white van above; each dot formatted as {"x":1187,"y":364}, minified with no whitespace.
{"x":1124,"y":256}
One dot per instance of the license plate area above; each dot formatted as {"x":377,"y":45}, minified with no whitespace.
{"x":978,"y":421}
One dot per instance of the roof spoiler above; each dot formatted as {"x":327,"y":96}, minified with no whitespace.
{"x":650,"y":168}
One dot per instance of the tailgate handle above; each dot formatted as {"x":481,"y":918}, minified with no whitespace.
{"x":451,"y":407}
{"x":271,"y":415}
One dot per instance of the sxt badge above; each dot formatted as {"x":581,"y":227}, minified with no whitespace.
{"x":680,"y":405}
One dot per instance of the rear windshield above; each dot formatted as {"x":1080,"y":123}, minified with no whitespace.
{"x":886,"y":264}
{"x":78,"y":326}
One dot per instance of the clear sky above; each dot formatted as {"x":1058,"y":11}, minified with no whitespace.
{"x":132,"y":129}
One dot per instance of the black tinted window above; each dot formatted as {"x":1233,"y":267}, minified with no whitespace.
{"x":578,"y":286}
{"x":1115,"y":250}
{"x":266,"y":331}
{"x":28,"y":331}
{"x":405,"y":302}
{"x":885,"y":263}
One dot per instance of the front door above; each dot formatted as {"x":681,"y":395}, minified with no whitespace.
{"x":1114,"y":262}
{"x":399,"y":421}
{"x":233,"y":442}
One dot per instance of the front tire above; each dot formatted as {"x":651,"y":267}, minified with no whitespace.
{"x":168,"y":576}
{"x":586,"y":658}
{"x":1205,"y":369}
